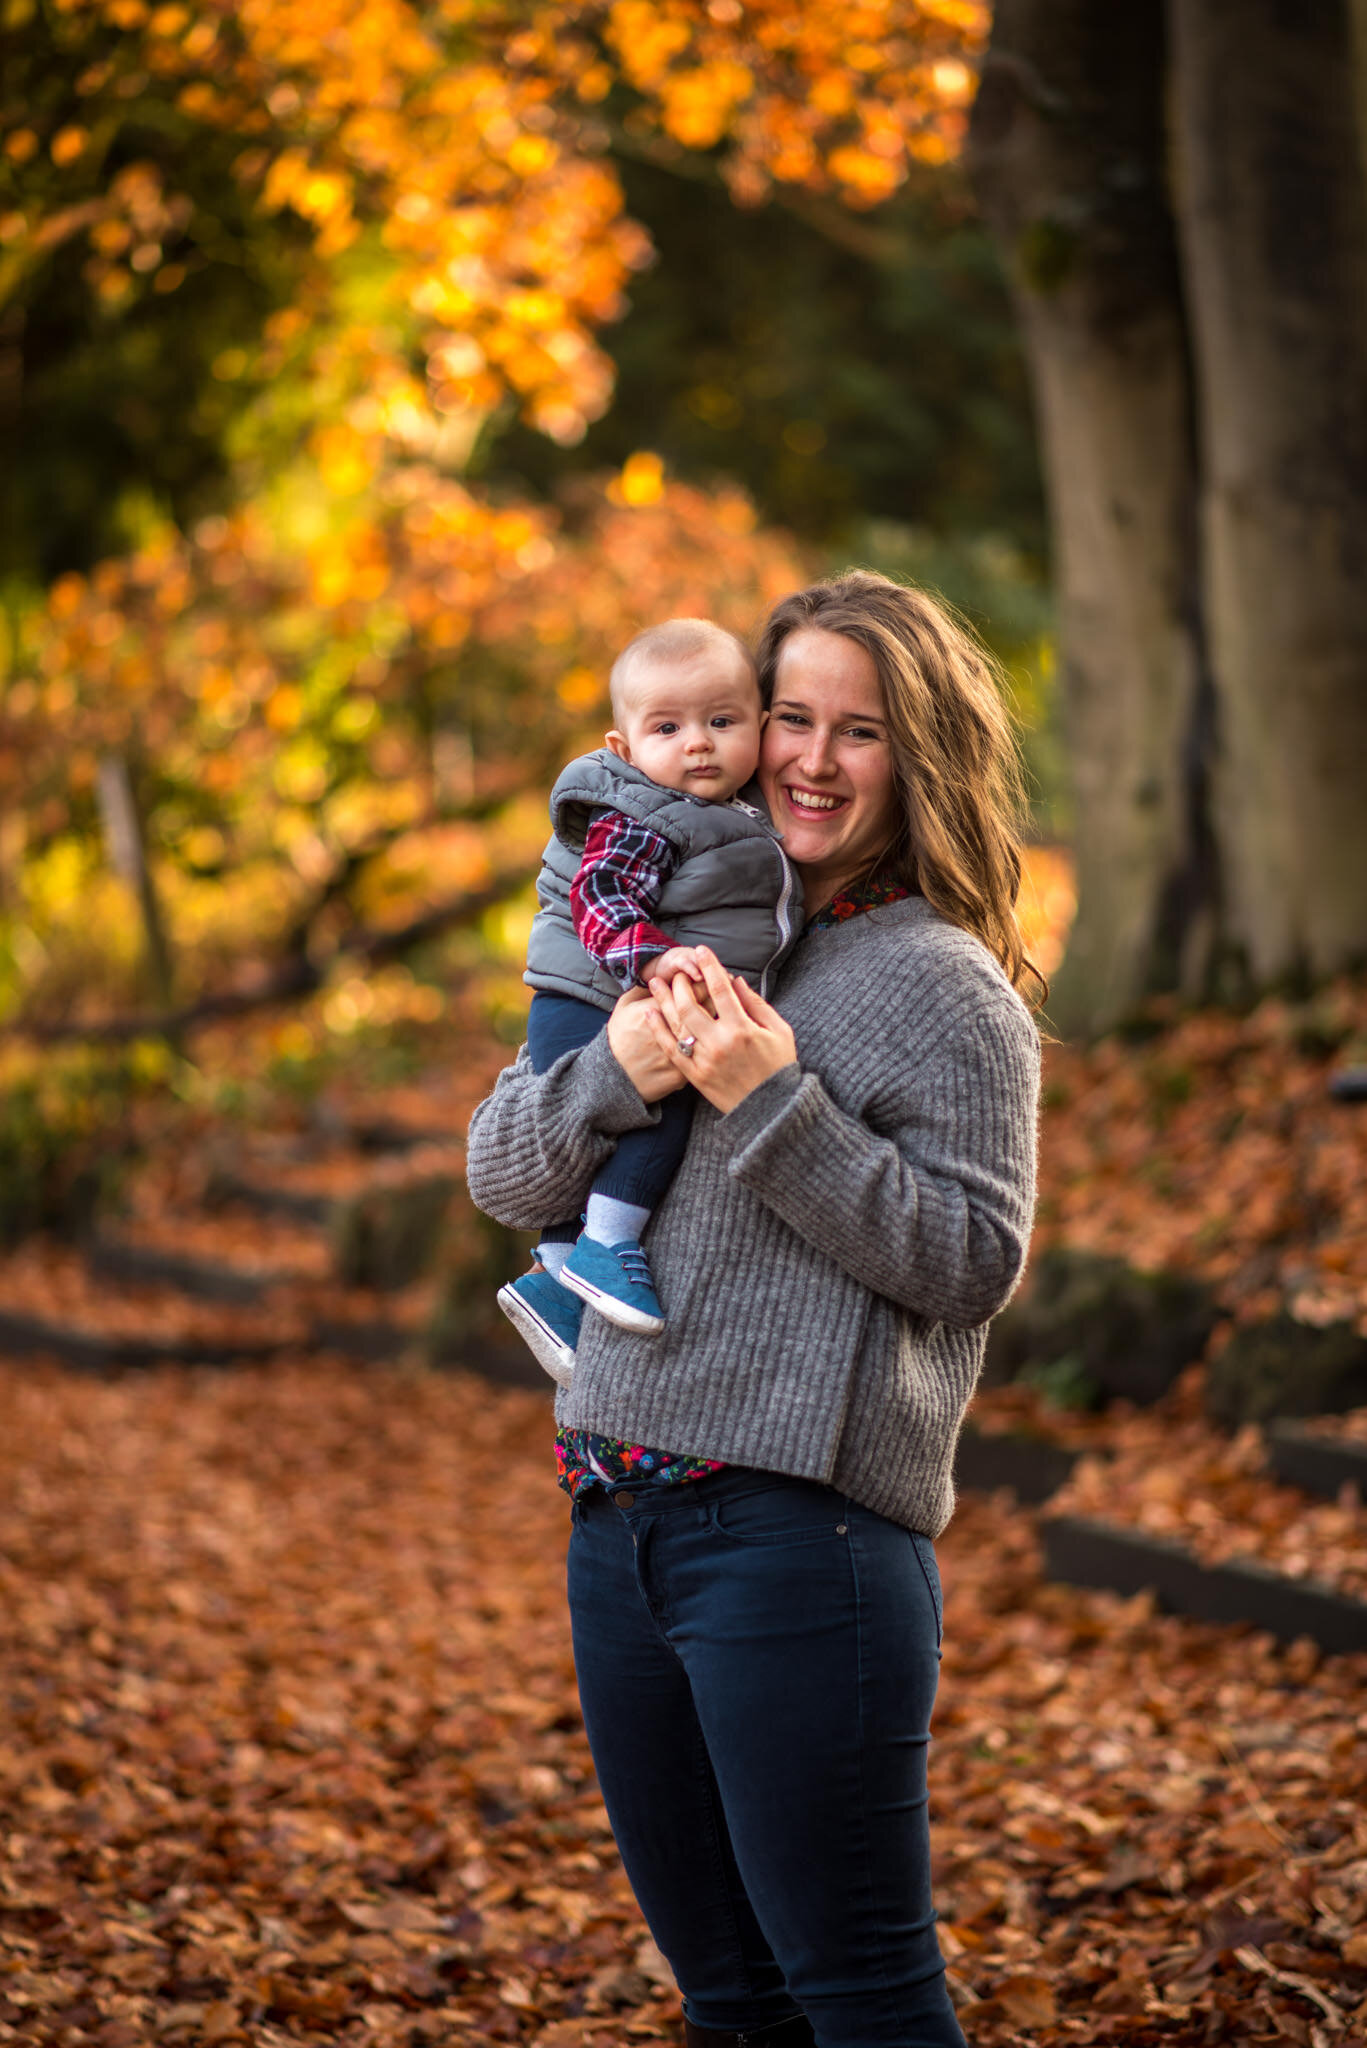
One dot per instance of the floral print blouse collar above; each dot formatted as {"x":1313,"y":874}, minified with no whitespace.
{"x":882,"y":886}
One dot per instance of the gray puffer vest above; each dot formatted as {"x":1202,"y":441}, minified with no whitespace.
{"x":734,"y":888}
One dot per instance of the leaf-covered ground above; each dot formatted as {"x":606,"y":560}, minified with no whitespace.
{"x":1214,"y":1144}
{"x":291,"y":1751}
{"x":1170,"y":1472}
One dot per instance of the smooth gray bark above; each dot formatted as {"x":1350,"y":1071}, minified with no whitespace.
{"x":1273,"y":223}
{"x":1067,"y":154}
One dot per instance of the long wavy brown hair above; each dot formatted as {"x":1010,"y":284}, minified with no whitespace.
{"x":954,"y":750}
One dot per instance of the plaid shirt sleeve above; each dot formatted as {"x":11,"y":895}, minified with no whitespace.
{"x":625,"y":866}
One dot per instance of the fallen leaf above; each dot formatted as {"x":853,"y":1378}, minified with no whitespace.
{"x":394,"y":1916}
{"x":1030,"y":2000}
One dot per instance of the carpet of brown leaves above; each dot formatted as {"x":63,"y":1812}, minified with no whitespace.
{"x":1168,"y":1471}
{"x":291,"y":1752}
{"x":1215,"y":1145}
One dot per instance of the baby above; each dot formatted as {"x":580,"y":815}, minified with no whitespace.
{"x":654,"y":853}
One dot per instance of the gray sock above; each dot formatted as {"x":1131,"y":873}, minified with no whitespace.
{"x":610,"y":1222}
{"x":553,"y":1256}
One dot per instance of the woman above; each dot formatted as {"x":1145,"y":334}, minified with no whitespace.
{"x":753,"y":1590}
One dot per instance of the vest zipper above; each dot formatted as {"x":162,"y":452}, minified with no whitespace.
{"x":785,"y":897}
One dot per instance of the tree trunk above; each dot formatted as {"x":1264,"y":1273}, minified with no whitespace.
{"x":1273,"y":219}
{"x":1358,"y":10}
{"x":128,"y":857}
{"x":1067,"y":153}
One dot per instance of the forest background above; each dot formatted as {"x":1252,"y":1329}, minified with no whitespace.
{"x":373,"y":374}
{"x":370,"y":371}
{"x":374,"y":371}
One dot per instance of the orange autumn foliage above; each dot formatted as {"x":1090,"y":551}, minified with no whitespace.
{"x":470,"y":148}
{"x":433,"y":180}
{"x":303,"y":706}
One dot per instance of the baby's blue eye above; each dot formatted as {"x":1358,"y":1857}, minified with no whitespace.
{"x":666,"y":729}
{"x":723,"y":721}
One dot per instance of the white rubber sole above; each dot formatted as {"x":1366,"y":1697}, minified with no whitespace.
{"x":550,"y":1353}
{"x":612,"y":1310}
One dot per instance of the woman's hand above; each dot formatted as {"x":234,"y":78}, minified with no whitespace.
{"x":733,"y":1051}
{"x":636,"y":1048}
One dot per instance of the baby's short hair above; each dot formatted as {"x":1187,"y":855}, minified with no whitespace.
{"x":674,"y":640}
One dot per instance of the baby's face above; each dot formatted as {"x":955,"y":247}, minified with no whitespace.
{"x":692,"y":725}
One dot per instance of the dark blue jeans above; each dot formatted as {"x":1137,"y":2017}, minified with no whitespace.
{"x":757,"y":1662}
{"x":645,"y":1162}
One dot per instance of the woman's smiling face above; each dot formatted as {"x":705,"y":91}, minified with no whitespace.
{"x":826,"y":761}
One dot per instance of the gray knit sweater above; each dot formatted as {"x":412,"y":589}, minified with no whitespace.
{"x":831,"y":1251}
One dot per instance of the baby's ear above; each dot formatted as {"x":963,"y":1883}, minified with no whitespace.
{"x":615,"y":742}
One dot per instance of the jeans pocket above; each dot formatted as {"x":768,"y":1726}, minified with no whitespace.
{"x":930,"y":1572}
{"x":786,"y":1513}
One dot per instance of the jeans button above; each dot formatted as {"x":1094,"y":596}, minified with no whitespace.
{"x":623,"y":1500}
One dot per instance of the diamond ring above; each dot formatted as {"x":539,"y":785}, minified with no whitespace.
{"x":686,"y":1045}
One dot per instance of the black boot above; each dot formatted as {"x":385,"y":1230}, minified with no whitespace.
{"x":793,"y":2033}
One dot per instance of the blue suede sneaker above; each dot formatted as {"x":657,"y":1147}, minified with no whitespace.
{"x":615,"y":1280}
{"x":547,"y":1318}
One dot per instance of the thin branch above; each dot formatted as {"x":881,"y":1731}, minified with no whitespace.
{"x":290,"y":981}
{"x":1029,"y":81}
{"x":883,"y":247}
{"x":352,"y":862}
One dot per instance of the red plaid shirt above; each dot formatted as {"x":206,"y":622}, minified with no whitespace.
{"x":625,"y":866}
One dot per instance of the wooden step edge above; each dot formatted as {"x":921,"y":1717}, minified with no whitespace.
{"x":23,"y":1336}
{"x":382,"y":1134}
{"x":1081,"y":1551}
{"x":115,"y":1258}
{"x":1317,"y":1464}
{"x":372,"y":1341}
{"x":1032,"y":1468}
{"x":225,"y":1187}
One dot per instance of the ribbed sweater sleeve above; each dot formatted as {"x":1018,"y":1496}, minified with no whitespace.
{"x":536,"y":1143}
{"x":933,"y":1210}
{"x":830,"y":1251}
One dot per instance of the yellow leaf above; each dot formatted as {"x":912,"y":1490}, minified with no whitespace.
{"x":642,"y":481}
{"x":530,"y":154}
{"x":867,"y":178}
